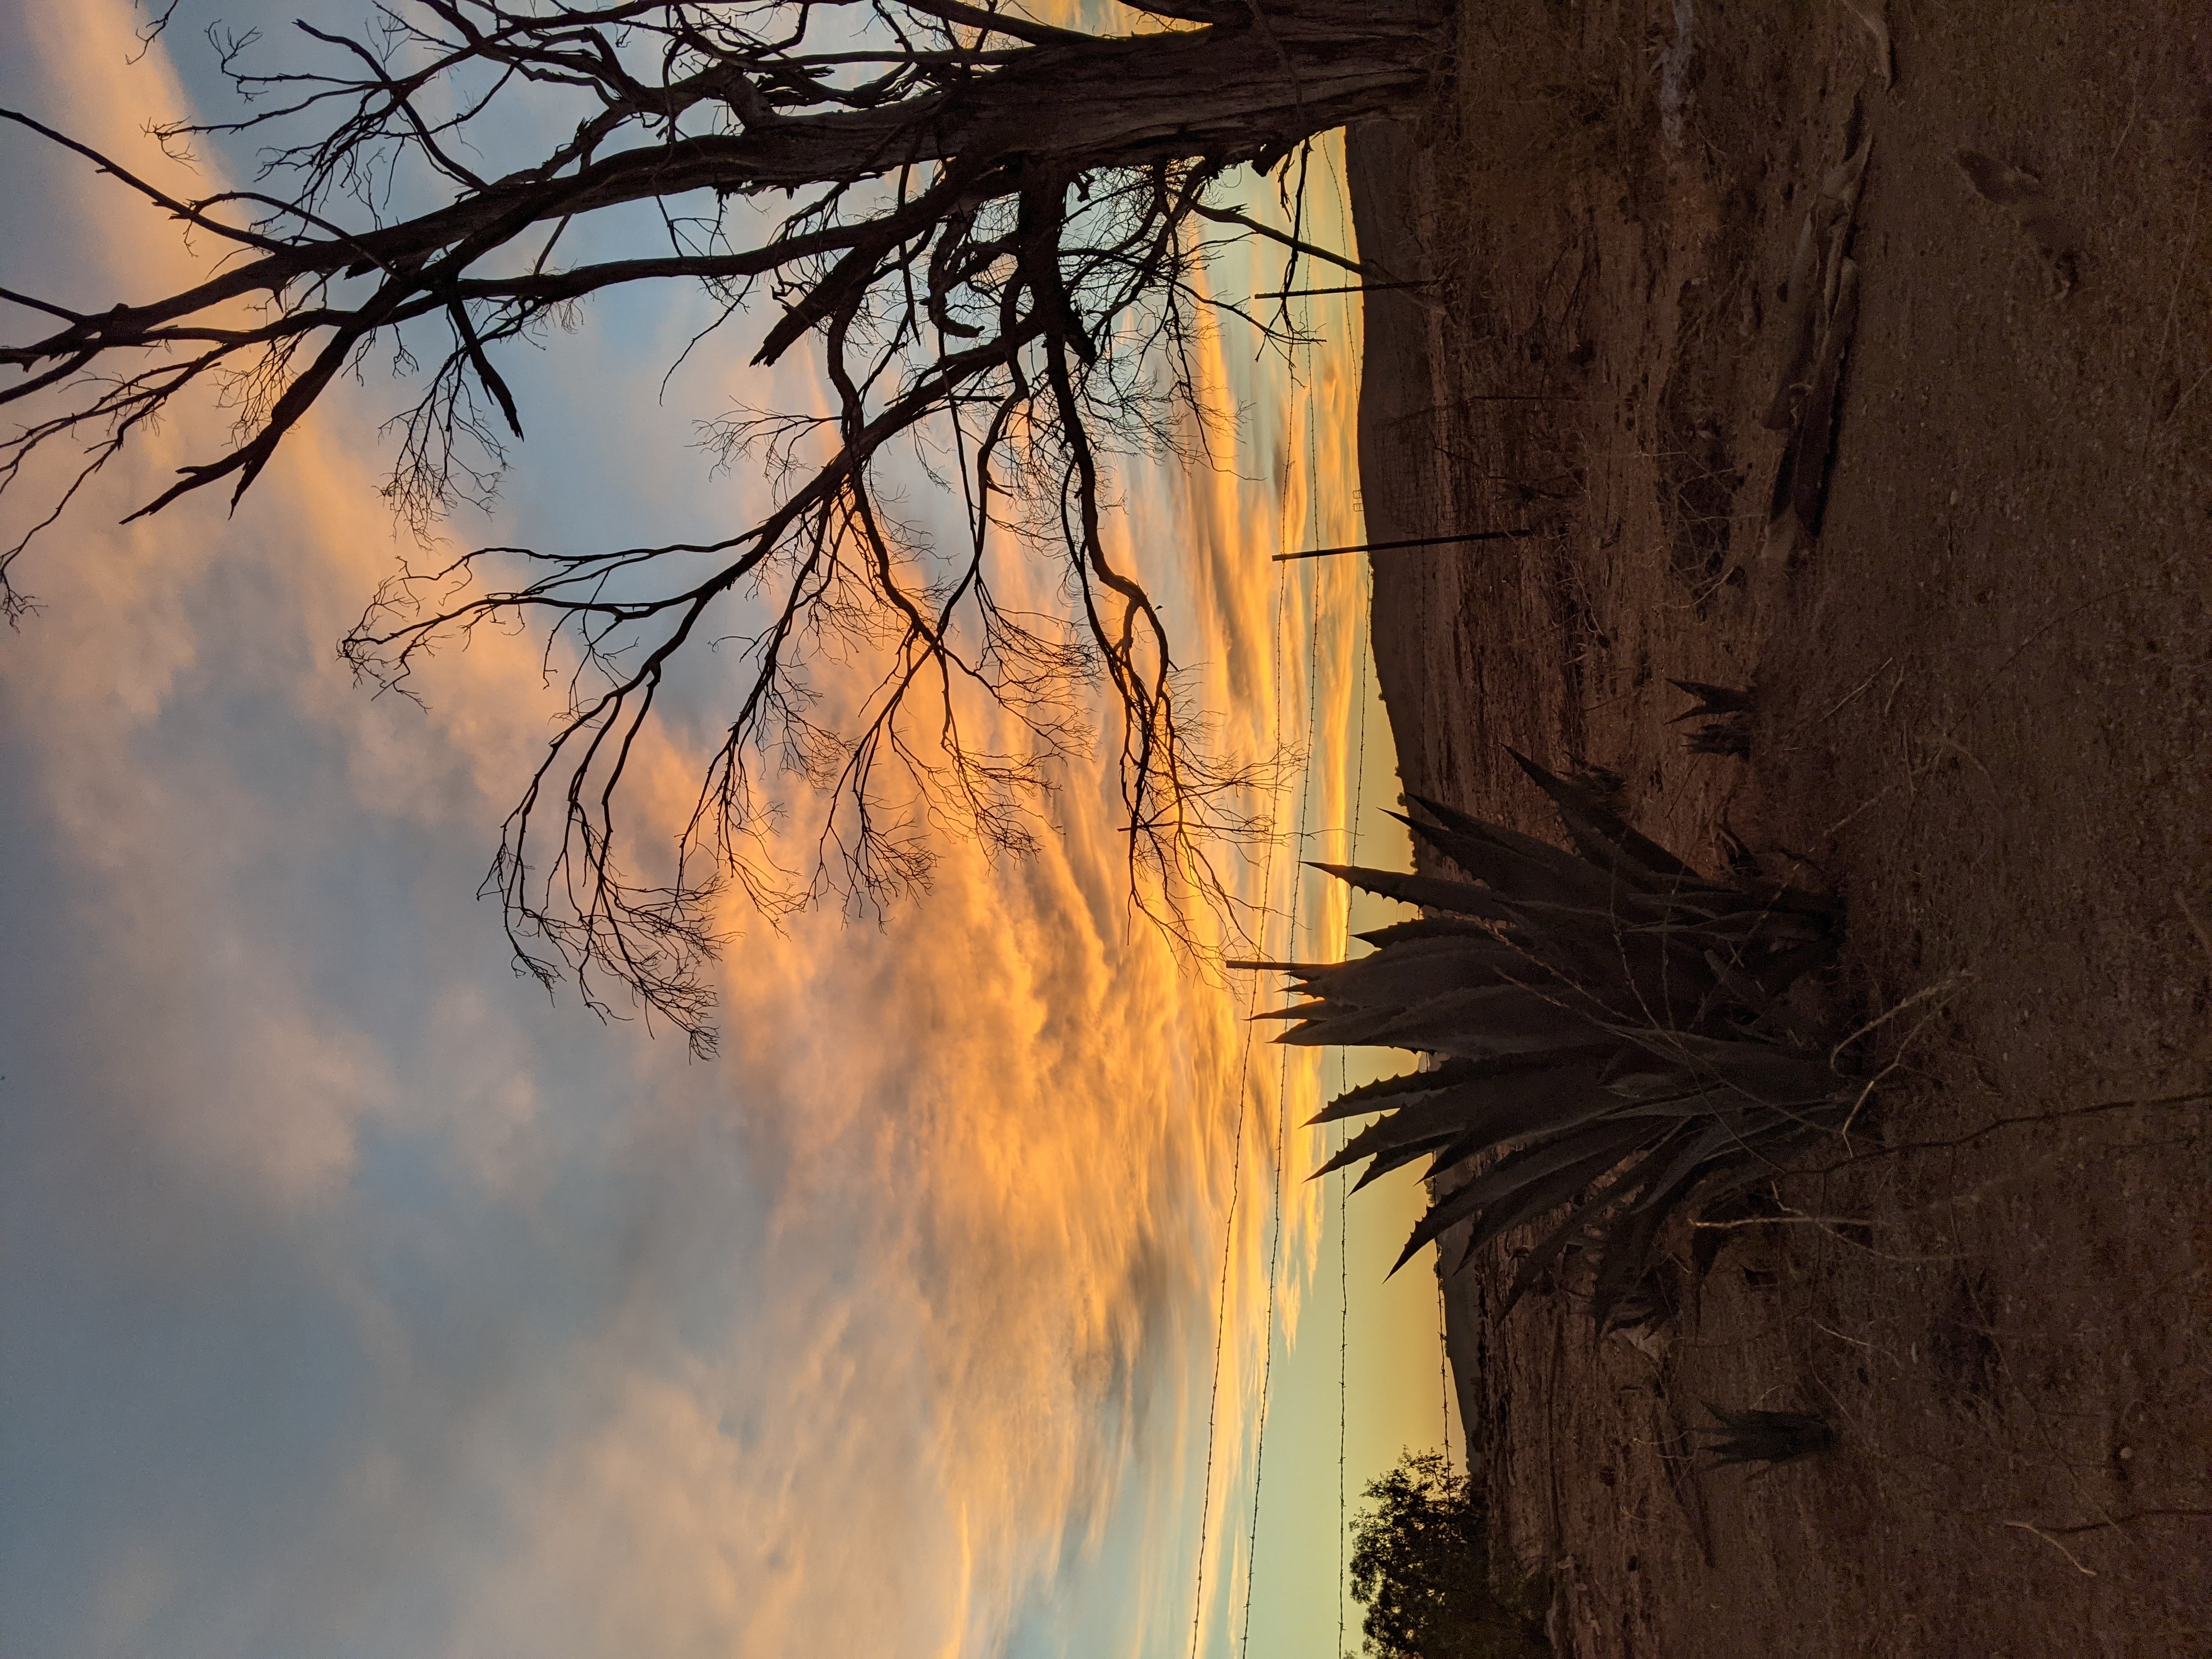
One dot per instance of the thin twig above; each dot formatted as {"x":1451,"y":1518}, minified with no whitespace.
{"x":2030,"y":1526}
{"x":2195,"y":1097}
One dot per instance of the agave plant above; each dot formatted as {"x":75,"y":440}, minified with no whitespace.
{"x":1724,"y":714}
{"x":1608,"y":1036}
{"x":1765,"y":1437}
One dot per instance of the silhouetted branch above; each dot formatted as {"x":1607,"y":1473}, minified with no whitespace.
{"x":991,"y":230}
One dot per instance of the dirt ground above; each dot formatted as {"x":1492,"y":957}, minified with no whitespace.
{"x":1980,"y":714}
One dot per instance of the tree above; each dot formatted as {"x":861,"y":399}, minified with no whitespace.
{"x":1421,"y":1567}
{"x":995,"y":227}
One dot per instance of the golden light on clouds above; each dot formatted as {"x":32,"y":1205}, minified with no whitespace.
{"x":489,"y":1329}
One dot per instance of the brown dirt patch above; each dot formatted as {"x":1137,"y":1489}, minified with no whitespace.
{"x":1981,"y":715}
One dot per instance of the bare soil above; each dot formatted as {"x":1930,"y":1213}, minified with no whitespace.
{"x":1981,"y":702}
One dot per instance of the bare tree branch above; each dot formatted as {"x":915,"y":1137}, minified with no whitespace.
{"x":990,"y":230}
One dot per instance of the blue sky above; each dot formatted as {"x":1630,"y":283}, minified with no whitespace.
{"x":360,"y":1300}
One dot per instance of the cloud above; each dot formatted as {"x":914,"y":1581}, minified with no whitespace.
{"x":362,"y":1302}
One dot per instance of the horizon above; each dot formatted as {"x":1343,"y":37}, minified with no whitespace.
{"x":365,"y":1301}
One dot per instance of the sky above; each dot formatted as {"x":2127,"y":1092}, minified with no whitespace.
{"x":360,"y":1299}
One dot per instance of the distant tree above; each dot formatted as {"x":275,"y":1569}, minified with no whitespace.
{"x":1421,"y":1567}
{"x":994,"y":225}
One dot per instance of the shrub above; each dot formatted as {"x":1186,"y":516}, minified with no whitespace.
{"x":1421,"y":1567}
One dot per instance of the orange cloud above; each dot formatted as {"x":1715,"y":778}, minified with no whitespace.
{"x":857,"y":1341}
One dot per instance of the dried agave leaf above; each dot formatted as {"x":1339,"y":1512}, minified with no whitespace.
{"x":1870,"y":15}
{"x":1841,"y":184}
{"x":1824,"y":312}
{"x":1804,"y":324}
{"x":2024,"y":194}
{"x":1995,"y":181}
{"x":1802,"y":482}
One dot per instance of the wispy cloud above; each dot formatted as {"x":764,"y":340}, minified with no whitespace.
{"x":361,"y":1302}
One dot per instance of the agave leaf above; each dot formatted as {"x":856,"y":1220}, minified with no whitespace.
{"x":1380,"y":1096}
{"x":1354,"y":1028}
{"x":1539,"y":1195}
{"x":1435,"y":1120}
{"x":1650,"y":1194}
{"x":1468,"y":939}
{"x":1423,"y":927}
{"x":1687,"y":1155}
{"x":1353,"y":1103}
{"x":1601,"y":836}
{"x":1724,"y":1178}
{"x":1634,"y":972}
{"x":1295,"y":1011}
{"x":1543,"y":1175}
{"x":1543,"y":1047}
{"x":1383,"y":1162}
{"x":1507,"y":1018}
{"x":1559,"y":877}
{"x":1401,"y":975}
{"x":1461,"y":1025}
{"x":1704,"y":1101}
{"x":1759,"y":926}
{"x":1760,"y":1071}
{"x":1747,"y":991}
{"x":1430,"y":892}
{"x":1396,"y":1158}
{"x":1605,"y":864}
{"x":1451,"y":1208}
{"x":1506,"y":1109}
{"x":1512,"y":1007}
{"x":1510,"y":840}
{"x":1651,"y":1083}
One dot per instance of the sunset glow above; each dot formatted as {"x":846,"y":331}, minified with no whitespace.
{"x":362,"y":1300}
